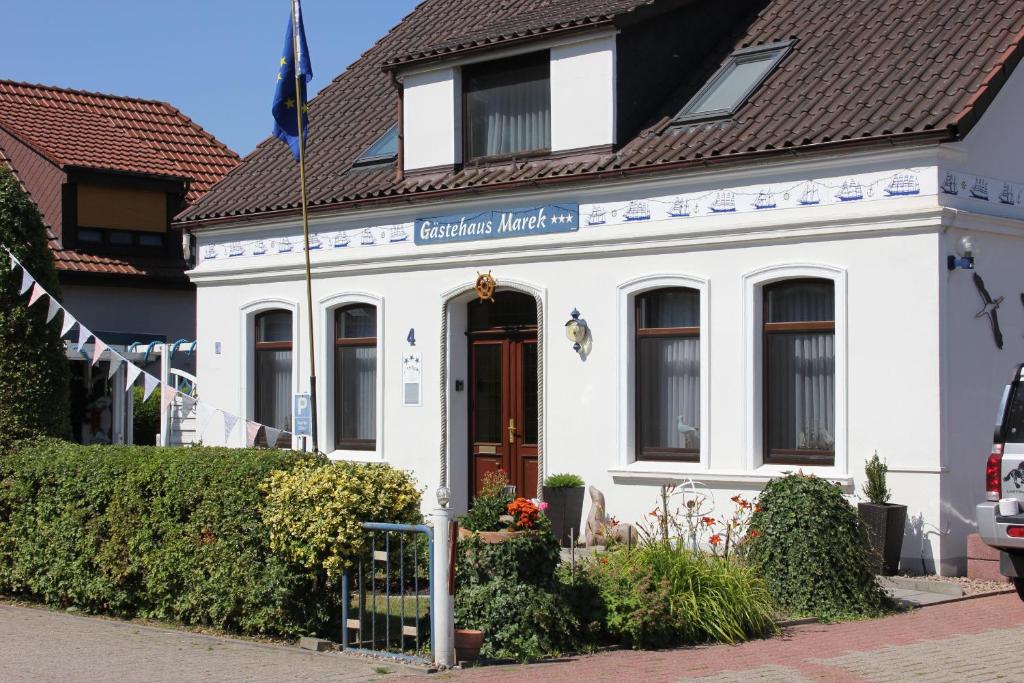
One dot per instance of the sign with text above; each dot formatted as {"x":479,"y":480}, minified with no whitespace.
{"x":486,"y":225}
{"x":302,"y":415}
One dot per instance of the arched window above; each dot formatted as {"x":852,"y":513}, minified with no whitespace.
{"x":668,"y":375}
{"x":799,"y":372}
{"x":355,"y":378}
{"x":274,"y":369}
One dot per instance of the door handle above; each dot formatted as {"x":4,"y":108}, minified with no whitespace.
{"x":511,"y":430}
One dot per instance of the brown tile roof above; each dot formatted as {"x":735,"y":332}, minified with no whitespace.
{"x":75,"y":128}
{"x":865,"y":72}
{"x":162,"y":268}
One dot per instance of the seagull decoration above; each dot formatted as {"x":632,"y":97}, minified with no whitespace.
{"x":989,"y":309}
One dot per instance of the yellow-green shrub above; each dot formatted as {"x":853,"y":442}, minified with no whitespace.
{"x":314,"y":512}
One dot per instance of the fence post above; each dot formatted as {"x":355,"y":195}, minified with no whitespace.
{"x":443,"y":616}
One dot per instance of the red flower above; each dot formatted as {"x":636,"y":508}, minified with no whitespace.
{"x":715,"y":539}
{"x":524,"y":512}
{"x":754,"y":533}
{"x":653,"y":513}
{"x":708,"y":521}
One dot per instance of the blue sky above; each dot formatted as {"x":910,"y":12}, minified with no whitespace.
{"x":215,"y":60}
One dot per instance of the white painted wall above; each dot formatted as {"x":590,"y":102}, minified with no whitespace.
{"x":583,"y":94}
{"x":993,"y":146}
{"x":431,"y":119}
{"x":886,"y":254}
{"x":168,"y":312}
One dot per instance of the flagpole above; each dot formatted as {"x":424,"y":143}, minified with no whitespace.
{"x":299,"y":104}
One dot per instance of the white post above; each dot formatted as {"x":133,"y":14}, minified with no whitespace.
{"x":443,"y":617}
{"x":165,"y":410}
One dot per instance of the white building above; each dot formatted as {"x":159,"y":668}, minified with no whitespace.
{"x":756,"y":232}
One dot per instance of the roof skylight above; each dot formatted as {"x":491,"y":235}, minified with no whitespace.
{"x":384,"y":150}
{"x":734,"y":82}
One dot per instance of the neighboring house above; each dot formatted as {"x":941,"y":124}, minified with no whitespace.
{"x":108,"y":174}
{"x":750,"y":204}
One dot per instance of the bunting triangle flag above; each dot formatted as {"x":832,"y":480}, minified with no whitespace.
{"x":53,"y":310}
{"x":150,"y":383}
{"x":167,"y":393}
{"x":84,"y":335}
{"x":204,"y":414}
{"x":252,"y":430}
{"x":98,"y":348}
{"x":187,"y":404}
{"x":37,"y":293}
{"x":14,"y":261}
{"x":26,"y":281}
{"x":272,"y":436}
{"x":115,"y":362}
{"x":131,"y":375}
{"x":229,"y":426}
{"x":69,"y":322}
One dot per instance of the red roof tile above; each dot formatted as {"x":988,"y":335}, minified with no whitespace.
{"x":75,"y":128}
{"x":866,"y":72}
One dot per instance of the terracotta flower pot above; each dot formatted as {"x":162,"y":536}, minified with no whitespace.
{"x":491,"y":536}
{"x":467,"y":644}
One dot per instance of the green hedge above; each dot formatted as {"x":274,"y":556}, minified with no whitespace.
{"x":154,"y":532}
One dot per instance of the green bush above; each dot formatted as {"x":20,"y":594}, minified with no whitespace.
{"x":315,"y":512}
{"x":520,"y":621}
{"x":34,"y":375}
{"x":145,"y":418}
{"x":659,"y":595}
{"x":168,"y":533}
{"x":812,"y":550}
{"x":875,"y":488}
{"x":563,"y":481}
{"x":531,"y":559}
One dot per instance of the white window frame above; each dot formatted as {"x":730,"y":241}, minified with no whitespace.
{"x":627,"y":293}
{"x":247,"y":389}
{"x":754,"y":283}
{"x":327,"y":308}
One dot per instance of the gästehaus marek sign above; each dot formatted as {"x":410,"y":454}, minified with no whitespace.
{"x":485,"y":225}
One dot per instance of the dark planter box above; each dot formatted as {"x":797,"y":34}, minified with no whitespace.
{"x":884,"y":523}
{"x":565,"y":510}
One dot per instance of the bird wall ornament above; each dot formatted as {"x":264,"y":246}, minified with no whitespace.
{"x":989,"y":309}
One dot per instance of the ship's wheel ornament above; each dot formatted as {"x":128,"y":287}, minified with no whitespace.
{"x":485,"y":286}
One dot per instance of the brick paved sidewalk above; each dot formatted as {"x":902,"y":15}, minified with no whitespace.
{"x":41,"y":645}
{"x":973,"y":640}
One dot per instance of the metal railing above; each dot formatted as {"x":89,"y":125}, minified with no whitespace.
{"x":389,"y":611}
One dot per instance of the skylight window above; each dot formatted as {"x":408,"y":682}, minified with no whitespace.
{"x":732,"y":84}
{"x":384,"y":150}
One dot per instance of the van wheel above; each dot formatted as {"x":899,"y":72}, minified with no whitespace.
{"x":1018,"y":583}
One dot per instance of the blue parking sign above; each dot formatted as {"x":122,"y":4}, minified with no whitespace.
{"x":302,"y":415}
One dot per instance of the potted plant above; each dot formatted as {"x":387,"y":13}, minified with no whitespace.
{"x":468,"y":642}
{"x":564,"y":495}
{"x":884,"y":520}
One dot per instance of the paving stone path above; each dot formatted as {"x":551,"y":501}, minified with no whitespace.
{"x":973,"y":640}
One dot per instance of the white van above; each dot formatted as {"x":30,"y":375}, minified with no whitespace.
{"x":1001,"y":516}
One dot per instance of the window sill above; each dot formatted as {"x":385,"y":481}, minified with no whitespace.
{"x":356,"y":456}
{"x":667,"y":473}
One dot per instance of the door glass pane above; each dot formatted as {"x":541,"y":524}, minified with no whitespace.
{"x":529,"y":426}
{"x":487,"y":393}
{"x":274,"y":388}
{"x":801,"y":391}
{"x":355,"y":405}
{"x":509,"y":309}
{"x":669,"y":392}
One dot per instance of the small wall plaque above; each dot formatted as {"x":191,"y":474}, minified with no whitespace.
{"x":412,"y":379}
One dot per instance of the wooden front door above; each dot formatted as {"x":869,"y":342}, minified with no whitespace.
{"x":503,"y":398}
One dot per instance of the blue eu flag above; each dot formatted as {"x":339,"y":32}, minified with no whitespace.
{"x":286,"y":99}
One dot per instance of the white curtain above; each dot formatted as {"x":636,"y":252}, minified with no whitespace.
{"x":356,"y":392}
{"x":801,"y":391}
{"x":511,"y":118}
{"x":670,"y":392}
{"x":274,"y":388}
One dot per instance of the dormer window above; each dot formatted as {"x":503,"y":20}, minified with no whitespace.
{"x":733,"y":83}
{"x":382,"y":151}
{"x":507,"y":106}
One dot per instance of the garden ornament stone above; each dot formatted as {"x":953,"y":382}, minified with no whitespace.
{"x":601,"y":528}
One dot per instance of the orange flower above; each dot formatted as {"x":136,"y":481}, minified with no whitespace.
{"x":524,"y":513}
{"x":708,"y":521}
{"x":754,"y":533}
{"x":757,"y":508}
{"x":715,"y":539}
{"x":653,"y":513}
{"x":736,"y":498}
